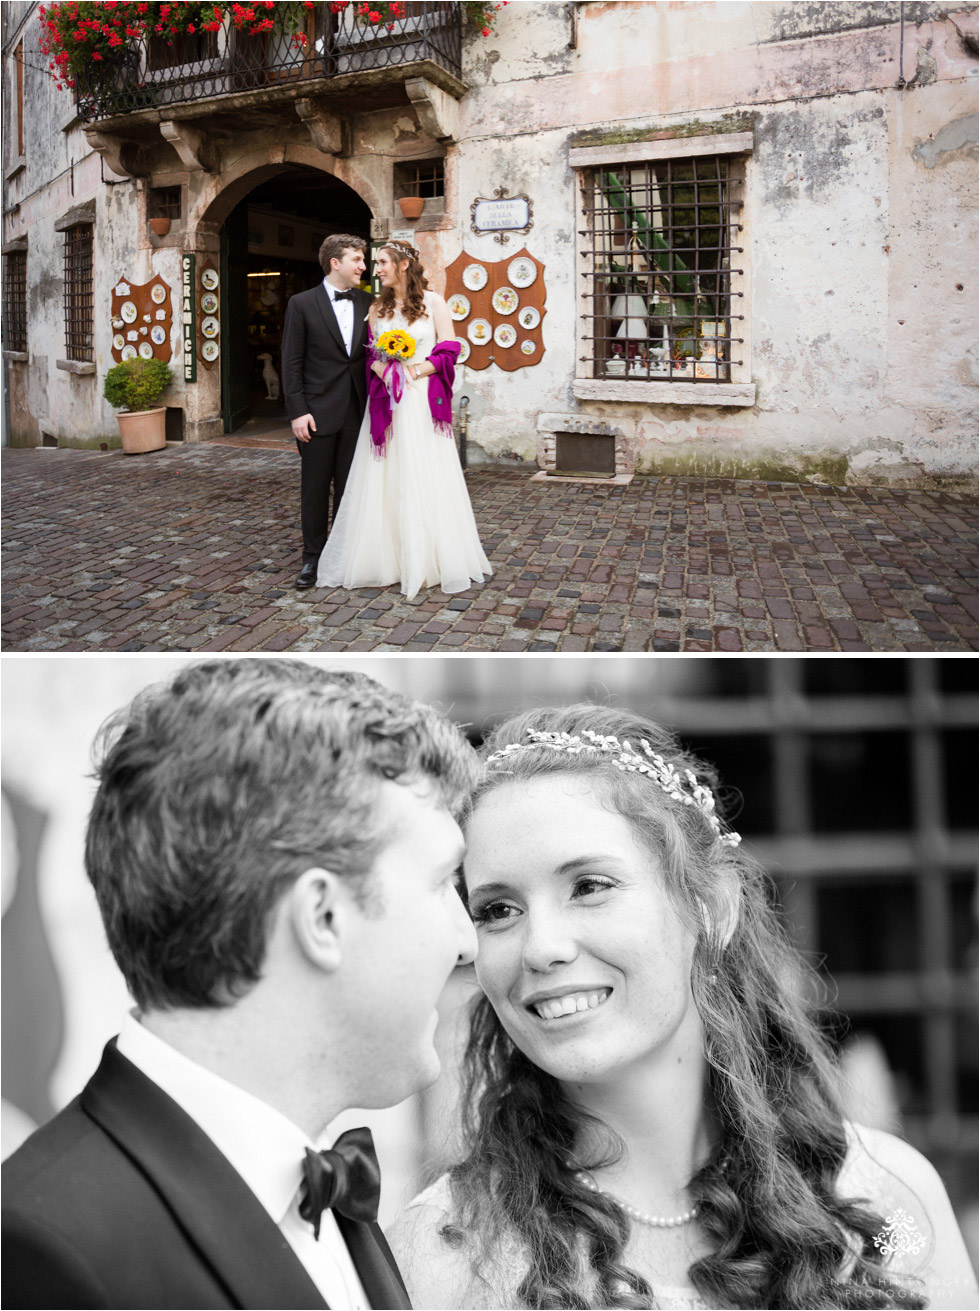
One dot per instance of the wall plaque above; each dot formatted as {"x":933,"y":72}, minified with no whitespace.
{"x":501,"y":215}
{"x":497,"y":310}
{"x":142,"y":316}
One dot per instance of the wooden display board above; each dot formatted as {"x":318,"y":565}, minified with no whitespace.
{"x":141,"y":315}
{"x":208,"y":313}
{"x":506,"y":284}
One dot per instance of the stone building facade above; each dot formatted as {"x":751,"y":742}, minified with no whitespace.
{"x":757,"y":224}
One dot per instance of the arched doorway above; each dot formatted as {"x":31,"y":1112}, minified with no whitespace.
{"x":269,"y":245}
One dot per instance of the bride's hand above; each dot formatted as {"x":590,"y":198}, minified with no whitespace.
{"x":378,"y":368}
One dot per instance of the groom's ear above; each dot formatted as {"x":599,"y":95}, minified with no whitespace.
{"x":316,"y":908}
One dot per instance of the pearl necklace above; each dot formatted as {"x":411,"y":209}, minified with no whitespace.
{"x":655,"y":1221}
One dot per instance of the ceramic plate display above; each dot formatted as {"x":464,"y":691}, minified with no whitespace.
{"x":129,"y":313}
{"x":479,"y":332}
{"x":209,"y":328}
{"x":474,"y":277}
{"x":209,"y":351}
{"x":159,"y":294}
{"x":209,"y":279}
{"x":118,"y":341}
{"x":464,"y":352}
{"x":529,"y":317}
{"x":209,"y":302}
{"x":129,"y":353}
{"x":505,"y":335}
{"x":459,"y":307}
{"x":522,"y":272}
{"x":146,"y":350}
{"x":504,"y":300}
{"x":528,"y":347}
{"x":157,"y":335}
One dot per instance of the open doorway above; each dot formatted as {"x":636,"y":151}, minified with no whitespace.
{"x":269,"y":247}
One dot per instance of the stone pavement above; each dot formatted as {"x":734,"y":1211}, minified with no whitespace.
{"x":196,"y":548}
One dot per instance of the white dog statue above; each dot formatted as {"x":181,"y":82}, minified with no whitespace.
{"x":270,"y":378}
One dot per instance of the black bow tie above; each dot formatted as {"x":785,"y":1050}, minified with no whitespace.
{"x":343,"y":295}
{"x":345,"y":1177}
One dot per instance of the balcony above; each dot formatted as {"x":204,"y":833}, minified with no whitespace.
{"x":230,"y":73}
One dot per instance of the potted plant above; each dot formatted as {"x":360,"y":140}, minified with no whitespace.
{"x":160,"y":224}
{"x":411,"y":206}
{"x":134,"y":387}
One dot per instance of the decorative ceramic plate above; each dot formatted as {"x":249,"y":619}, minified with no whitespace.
{"x":459,"y":307}
{"x":129,"y":313}
{"x":118,"y":341}
{"x":209,"y":351}
{"x":505,"y":335}
{"x":529,"y":318}
{"x":132,"y":335}
{"x":480,"y":332}
{"x":522,"y":271}
{"x":504,"y":300}
{"x":464,"y":352}
{"x":159,"y":294}
{"x":117,"y":323}
{"x":209,"y":328}
{"x":209,"y":279}
{"x":143,"y":331}
{"x":474,"y":277}
{"x":129,"y":353}
{"x":147,"y":318}
{"x":146,"y":350}
{"x":528,"y":347}
{"x":157,"y":334}
{"x":209,"y":303}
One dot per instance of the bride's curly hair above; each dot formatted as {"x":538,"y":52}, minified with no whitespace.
{"x":416,"y":284}
{"x":767,"y":1196}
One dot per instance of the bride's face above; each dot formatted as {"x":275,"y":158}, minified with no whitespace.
{"x":581,"y":952}
{"x":388,"y":271}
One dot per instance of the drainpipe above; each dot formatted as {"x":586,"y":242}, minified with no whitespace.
{"x":464,"y":424}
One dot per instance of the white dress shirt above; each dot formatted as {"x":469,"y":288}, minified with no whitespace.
{"x":266,"y":1149}
{"x":344,"y":310}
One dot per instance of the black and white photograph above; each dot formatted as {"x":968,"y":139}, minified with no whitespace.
{"x":489,"y":982}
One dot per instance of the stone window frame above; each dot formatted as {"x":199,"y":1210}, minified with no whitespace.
{"x":81,"y":217}
{"x":740,"y":391}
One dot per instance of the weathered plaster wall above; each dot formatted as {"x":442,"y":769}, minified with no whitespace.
{"x":860,"y":223}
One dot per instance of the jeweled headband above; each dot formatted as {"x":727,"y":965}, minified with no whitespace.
{"x":679,"y":785}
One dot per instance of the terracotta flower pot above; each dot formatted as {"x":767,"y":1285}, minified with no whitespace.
{"x":161,"y":226}
{"x":143,"y":430}
{"x":411,"y":206}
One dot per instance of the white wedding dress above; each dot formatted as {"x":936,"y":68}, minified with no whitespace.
{"x":405,"y":518}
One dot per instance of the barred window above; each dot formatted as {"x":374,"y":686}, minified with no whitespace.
{"x":15,"y":300}
{"x":420,"y":177}
{"x":78,"y":292}
{"x":661,"y":248}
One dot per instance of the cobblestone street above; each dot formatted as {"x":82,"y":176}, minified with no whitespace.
{"x":196,"y":549}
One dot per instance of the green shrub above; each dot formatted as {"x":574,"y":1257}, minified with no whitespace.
{"x":137,"y":384}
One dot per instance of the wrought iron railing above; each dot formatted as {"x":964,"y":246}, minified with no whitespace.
{"x":156,"y":72}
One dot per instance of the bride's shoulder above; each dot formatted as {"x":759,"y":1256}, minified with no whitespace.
{"x":435,"y":1255}
{"x":920,"y":1234}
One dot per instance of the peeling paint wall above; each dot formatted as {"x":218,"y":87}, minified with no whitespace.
{"x":859,"y":229}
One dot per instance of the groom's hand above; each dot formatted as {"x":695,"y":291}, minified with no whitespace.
{"x":303,"y":427}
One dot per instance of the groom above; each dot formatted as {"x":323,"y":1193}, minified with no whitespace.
{"x":273,"y":854}
{"x":323,"y":380}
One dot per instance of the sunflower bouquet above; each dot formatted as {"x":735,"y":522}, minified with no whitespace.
{"x":395,"y":347}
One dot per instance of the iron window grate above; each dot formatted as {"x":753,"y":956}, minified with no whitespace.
{"x":78,"y":292}
{"x":659,"y":243}
{"x":15,"y":300}
{"x":425,"y":178}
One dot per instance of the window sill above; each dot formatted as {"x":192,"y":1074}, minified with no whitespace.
{"x":78,"y":367}
{"x":18,"y":166}
{"x":16,"y":357}
{"x":664,"y":393}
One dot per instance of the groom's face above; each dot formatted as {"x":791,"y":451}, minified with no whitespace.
{"x":411,"y":934}
{"x":349,"y":269}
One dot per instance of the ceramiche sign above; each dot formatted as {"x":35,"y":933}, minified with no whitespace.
{"x":188,"y":317}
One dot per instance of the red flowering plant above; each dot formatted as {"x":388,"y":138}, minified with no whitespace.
{"x":79,"y":35}
{"x":480,"y":14}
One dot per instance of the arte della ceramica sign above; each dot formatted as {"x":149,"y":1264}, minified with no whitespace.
{"x":501,"y":214}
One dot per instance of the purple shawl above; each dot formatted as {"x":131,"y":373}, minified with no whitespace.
{"x":443,"y":359}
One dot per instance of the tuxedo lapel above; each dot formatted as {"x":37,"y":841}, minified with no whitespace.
{"x":222,"y":1217}
{"x":374,"y":1264}
{"x":325,"y":306}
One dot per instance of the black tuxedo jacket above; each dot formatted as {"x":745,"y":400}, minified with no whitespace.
{"x":318,"y":376}
{"x":122,"y":1201}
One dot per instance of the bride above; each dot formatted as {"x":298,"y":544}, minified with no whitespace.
{"x":406,"y":515}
